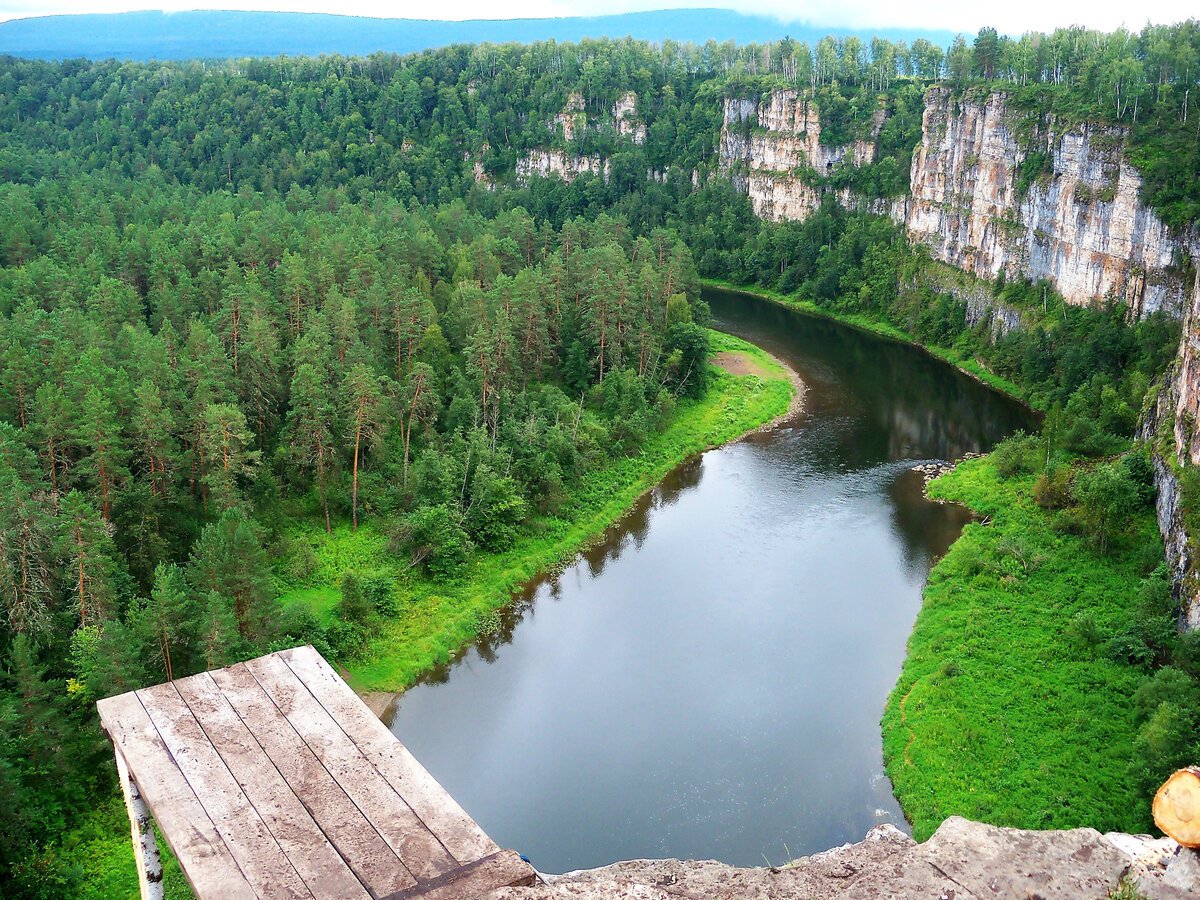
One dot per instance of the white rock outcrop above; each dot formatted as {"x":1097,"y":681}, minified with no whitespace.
{"x":1081,"y":223}
{"x":625,"y":117}
{"x":773,"y":150}
{"x":548,"y":163}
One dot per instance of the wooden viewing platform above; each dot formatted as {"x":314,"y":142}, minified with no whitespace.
{"x":271,"y":778}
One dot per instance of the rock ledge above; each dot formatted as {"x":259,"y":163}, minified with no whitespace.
{"x":963,"y":860}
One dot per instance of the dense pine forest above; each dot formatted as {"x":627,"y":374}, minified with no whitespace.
{"x":239,"y":296}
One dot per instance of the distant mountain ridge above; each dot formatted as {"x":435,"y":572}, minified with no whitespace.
{"x":212,"y":34}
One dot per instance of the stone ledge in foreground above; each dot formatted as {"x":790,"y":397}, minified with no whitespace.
{"x":962,"y":861}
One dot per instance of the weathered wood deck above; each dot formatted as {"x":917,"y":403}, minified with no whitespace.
{"x":272,"y":779}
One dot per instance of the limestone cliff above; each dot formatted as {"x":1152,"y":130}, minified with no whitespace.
{"x":772,"y":149}
{"x":1172,"y":428}
{"x":1079,"y":221}
{"x":625,"y":117}
{"x":569,"y":124}
{"x":568,"y":167}
{"x":962,"y":860}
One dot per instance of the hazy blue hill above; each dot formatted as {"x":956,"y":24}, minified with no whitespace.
{"x":213,"y":33}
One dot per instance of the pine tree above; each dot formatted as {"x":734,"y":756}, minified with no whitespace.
{"x":228,"y":558}
{"x":421,"y":405}
{"x":86,"y":548}
{"x":52,"y":424}
{"x":225,"y":442}
{"x":258,"y":384}
{"x":220,"y":641}
{"x":154,"y":438}
{"x":102,"y":446}
{"x":363,"y":411}
{"x":26,"y":551}
{"x":165,"y":622}
{"x":411,"y":316}
{"x":309,"y":442}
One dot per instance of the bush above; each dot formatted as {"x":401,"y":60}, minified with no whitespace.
{"x":380,"y":590}
{"x":1084,"y":631}
{"x":436,"y":541}
{"x":496,"y":509}
{"x":1167,"y":684}
{"x":1052,"y":490}
{"x":1021,"y":454}
{"x":1139,"y":471}
{"x":1186,"y":653}
{"x":345,"y":639}
{"x":1107,"y":503}
{"x":354,"y":606}
{"x":1165,"y":742}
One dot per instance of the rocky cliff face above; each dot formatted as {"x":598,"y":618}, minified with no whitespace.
{"x":1172,"y":428}
{"x":772,"y":149}
{"x":568,"y":167}
{"x":962,"y":860}
{"x":1080,"y":223}
{"x":625,"y":117}
{"x":571,"y":122}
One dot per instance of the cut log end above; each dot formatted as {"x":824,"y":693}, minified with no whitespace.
{"x":1177,"y":807}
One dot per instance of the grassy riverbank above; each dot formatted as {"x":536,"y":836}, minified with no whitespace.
{"x":437,"y":618}
{"x":1010,"y":709}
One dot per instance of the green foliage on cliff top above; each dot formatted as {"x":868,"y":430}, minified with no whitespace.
{"x":1010,"y":709}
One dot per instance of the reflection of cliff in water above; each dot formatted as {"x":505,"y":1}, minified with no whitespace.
{"x":926,"y":530}
{"x":901,"y":402}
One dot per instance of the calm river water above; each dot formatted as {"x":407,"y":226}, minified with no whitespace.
{"x":708,"y":682}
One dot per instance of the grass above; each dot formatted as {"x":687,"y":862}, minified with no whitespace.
{"x":98,"y":852}
{"x":438,"y":618}
{"x":1000,"y":715}
{"x":964,"y":363}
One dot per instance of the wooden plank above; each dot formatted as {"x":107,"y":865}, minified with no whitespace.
{"x":206,"y":862}
{"x":245,"y":834}
{"x":344,"y":825}
{"x":504,"y":868}
{"x":422,"y":853}
{"x":457,"y":831}
{"x":318,"y":863}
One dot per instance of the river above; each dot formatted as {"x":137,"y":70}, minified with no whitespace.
{"x":708,"y":681}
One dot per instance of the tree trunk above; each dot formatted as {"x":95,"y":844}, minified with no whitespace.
{"x":357,"y":444}
{"x":82,"y":580}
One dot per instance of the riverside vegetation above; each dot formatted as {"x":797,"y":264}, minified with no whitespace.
{"x":277,"y":367}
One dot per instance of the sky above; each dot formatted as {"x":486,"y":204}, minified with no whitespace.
{"x":1012,"y":16}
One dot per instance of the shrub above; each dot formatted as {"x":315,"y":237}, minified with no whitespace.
{"x":1084,"y":631}
{"x":436,"y":541}
{"x":1020,"y":454}
{"x":1165,"y":742}
{"x":354,"y":606}
{"x":380,"y":590}
{"x":1052,"y":490}
{"x":1107,"y":503}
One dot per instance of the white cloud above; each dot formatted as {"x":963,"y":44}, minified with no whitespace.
{"x":1013,"y":16}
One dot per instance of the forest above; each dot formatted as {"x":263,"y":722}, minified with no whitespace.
{"x":236,"y":296}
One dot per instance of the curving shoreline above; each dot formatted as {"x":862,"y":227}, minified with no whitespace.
{"x":971,"y":368}
{"x":746,"y":360}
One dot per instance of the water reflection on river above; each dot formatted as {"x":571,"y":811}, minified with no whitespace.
{"x":708,"y":681}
